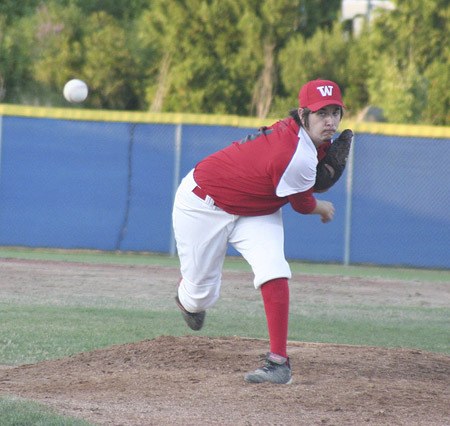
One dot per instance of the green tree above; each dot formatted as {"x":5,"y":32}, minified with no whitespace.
{"x":266,"y":28}
{"x":57,"y":51}
{"x":67,"y":44}
{"x":17,"y":43}
{"x":324,"y":55}
{"x":13,"y":9}
{"x":271,"y":24}
{"x":398,"y":91}
{"x":217,"y":55}
{"x":222,"y":56}
{"x":405,"y":44}
{"x":415,"y":31}
{"x":355,"y":74}
{"x":190,"y":49}
{"x":318,"y":14}
{"x":108,"y":66}
{"x":122,"y":10}
{"x":437,"y":109}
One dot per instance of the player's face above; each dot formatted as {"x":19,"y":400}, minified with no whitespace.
{"x":324,"y":123}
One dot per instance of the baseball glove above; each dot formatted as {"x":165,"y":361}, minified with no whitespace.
{"x":331,"y":167}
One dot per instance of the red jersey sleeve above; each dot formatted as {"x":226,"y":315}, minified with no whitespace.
{"x":303,"y":202}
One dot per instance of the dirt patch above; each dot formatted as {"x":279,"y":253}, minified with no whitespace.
{"x":199,"y":380}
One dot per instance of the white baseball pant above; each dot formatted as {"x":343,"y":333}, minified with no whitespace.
{"x":202,"y":233}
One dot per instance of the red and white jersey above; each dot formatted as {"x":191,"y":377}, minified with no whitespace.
{"x":256,"y":176}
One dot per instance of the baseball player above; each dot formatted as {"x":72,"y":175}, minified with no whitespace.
{"x":235,"y":195}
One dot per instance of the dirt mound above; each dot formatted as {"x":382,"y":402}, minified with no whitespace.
{"x":199,"y":380}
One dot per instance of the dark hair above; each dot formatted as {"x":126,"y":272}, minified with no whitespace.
{"x":305,"y":116}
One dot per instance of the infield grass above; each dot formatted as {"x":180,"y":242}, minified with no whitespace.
{"x":34,"y":333}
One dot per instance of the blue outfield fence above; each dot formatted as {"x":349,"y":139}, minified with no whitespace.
{"x":107,"y":182}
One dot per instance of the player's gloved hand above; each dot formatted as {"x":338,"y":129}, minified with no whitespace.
{"x":331,"y":167}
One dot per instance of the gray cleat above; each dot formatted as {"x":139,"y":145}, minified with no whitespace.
{"x":277,"y":370}
{"x":194,"y":320}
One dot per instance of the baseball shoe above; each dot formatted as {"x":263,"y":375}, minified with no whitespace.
{"x":276,"y":370}
{"x":194,"y":320}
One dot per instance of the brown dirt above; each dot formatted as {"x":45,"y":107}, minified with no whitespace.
{"x":199,"y":380}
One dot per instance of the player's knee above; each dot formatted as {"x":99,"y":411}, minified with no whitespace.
{"x":264,"y":274}
{"x":197,"y":297}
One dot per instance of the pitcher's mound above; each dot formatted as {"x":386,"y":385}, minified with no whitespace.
{"x":199,"y":380}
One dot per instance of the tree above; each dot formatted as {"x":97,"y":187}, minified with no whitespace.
{"x":108,"y":66}
{"x":278,"y":21}
{"x":17,"y":42}
{"x":437,"y":109}
{"x":318,"y":14}
{"x":322,"y":56}
{"x":217,"y":55}
{"x":415,"y":31}
{"x":11,"y":10}
{"x":66,"y":45}
{"x":123,"y":11}
{"x":405,"y":45}
{"x":222,"y":56}
{"x":190,"y":49}
{"x":401,"y":95}
{"x":57,"y":52}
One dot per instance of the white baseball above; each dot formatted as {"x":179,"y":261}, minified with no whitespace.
{"x":75,"y":90}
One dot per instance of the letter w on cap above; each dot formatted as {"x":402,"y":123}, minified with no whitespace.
{"x":325,"y":90}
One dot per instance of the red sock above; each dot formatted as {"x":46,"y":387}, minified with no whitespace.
{"x":275,"y":294}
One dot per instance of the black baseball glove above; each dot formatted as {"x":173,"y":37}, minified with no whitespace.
{"x":331,"y":167}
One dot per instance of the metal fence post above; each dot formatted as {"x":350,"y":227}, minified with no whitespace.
{"x":348,"y":205}
{"x":176,"y":177}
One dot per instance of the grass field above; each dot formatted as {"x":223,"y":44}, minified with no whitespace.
{"x":235,"y":263}
{"x":35,"y":327}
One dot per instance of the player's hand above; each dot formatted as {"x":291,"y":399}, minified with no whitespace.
{"x":325,"y":209}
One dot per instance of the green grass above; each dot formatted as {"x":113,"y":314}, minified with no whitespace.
{"x":16,"y":412}
{"x":234,"y":263}
{"x":34,"y":333}
{"x":385,"y":326}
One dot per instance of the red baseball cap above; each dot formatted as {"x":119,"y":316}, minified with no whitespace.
{"x":317,"y":94}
